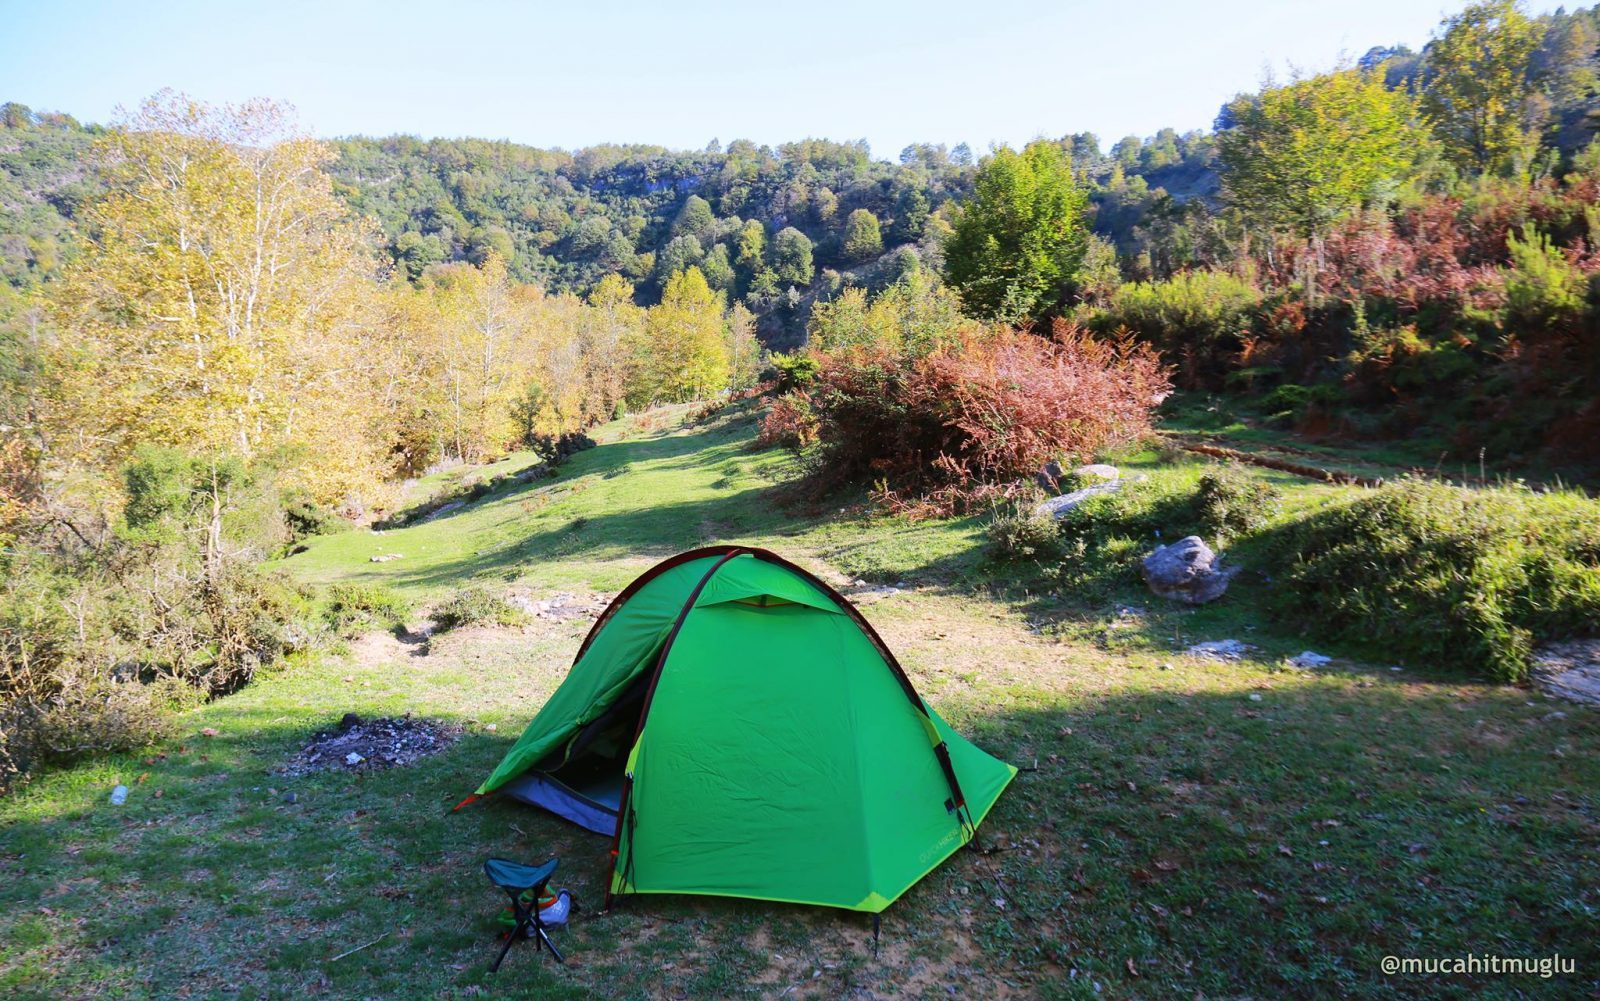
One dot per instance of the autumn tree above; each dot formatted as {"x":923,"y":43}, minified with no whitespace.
{"x":1019,"y":239}
{"x":744,"y":350}
{"x":611,"y":326}
{"x":1476,"y":91}
{"x":751,"y":246}
{"x":484,"y":357}
{"x":682,"y":354}
{"x":221,"y":304}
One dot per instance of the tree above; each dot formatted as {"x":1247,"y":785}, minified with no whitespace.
{"x":1303,"y":156}
{"x":791,"y":257}
{"x":612,"y":326}
{"x":718,"y":269}
{"x":679,"y":253}
{"x":1476,"y":91}
{"x":414,"y":253}
{"x":910,"y":214}
{"x":1018,"y":240}
{"x":744,"y":350}
{"x":751,"y":246}
{"x":484,"y":355}
{"x":863,"y":240}
{"x":824,"y":204}
{"x":221,"y":306}
{"x":840,"y":324}
{"x":696,"y":219}
{"x":682,"y":355}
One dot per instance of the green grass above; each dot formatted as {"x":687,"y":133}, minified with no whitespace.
{"x":1222,"y":845}
{"x":1232,"y":423}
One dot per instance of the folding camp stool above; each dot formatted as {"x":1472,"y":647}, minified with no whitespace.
{"x":520,"y":880}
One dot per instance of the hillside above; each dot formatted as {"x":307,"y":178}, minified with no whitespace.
{"x":1186,"y":826}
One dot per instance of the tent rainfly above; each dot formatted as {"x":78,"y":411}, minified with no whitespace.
{"x":738,"y":729}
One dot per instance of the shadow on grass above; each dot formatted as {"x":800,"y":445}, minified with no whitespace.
{"x":1218,"y":844}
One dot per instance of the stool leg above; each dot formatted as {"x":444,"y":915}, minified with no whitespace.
{"x":519,"y":930}
{"x":553,"y":950}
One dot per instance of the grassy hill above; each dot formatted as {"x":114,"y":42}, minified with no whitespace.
{"x":1187,"y":827}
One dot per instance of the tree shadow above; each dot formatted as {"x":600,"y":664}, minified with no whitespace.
{"x":1214,"y":843}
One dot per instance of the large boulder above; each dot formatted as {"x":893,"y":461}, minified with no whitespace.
{"x":1187,"y":571}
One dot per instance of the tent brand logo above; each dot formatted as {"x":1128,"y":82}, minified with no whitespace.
{"x":933,"y":850}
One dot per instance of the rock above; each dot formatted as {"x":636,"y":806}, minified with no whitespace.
{"x":1098,"y":471}
{"x":119,"y":795}
{"x":1220,"y":649}
{"x":1570,"y":670}
{"x":291,"y":798}
{"x":1186,"y":571}
{"x":1309,"y":659}
{"x":444,"y":509}
{"x":353,"y":758}
{"x":385,"y":558}
{"x":1057,"y":507}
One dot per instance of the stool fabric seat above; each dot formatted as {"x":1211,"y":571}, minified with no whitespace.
{"x":519,"y":880}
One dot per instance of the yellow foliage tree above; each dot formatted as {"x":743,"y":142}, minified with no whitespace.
{"x":222,"y":301}
{"x":611,"y":326}
{"x":681,"y":355}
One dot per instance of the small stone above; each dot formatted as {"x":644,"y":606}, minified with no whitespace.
{"x":1220,"y":649}
{"x":1310,"y":659}
{"x":353,"y":758}
{"x":1098,"y":471}
{"x":291,"y":798}
{"x":119,"y":795}
{"x":1255,"y":696}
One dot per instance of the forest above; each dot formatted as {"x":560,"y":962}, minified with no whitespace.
{"x":221,"y":335}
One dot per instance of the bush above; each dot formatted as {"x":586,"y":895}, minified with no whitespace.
{"x":355,"y":608}
{"x":790,"y":421}
{"x":305,"y":517}
{"x":790,"y":372}
{"x":1230,"y":502}
{"x":147,"y":632}
{"x":1198,"y":317}
{"x":1455,"y":578}
{"x":477,"y":605}
{"x":951,"y":428}
{"x":1020,"y":534}
{"x":554,"y":448}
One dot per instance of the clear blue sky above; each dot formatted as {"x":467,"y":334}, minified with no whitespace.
{"x":574,"y":73}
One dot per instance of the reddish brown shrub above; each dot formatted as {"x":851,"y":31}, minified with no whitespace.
{"x":788,"y":422}
{"x":957,"y":426}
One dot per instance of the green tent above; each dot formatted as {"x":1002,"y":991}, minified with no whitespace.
{"x":738,"y":729}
